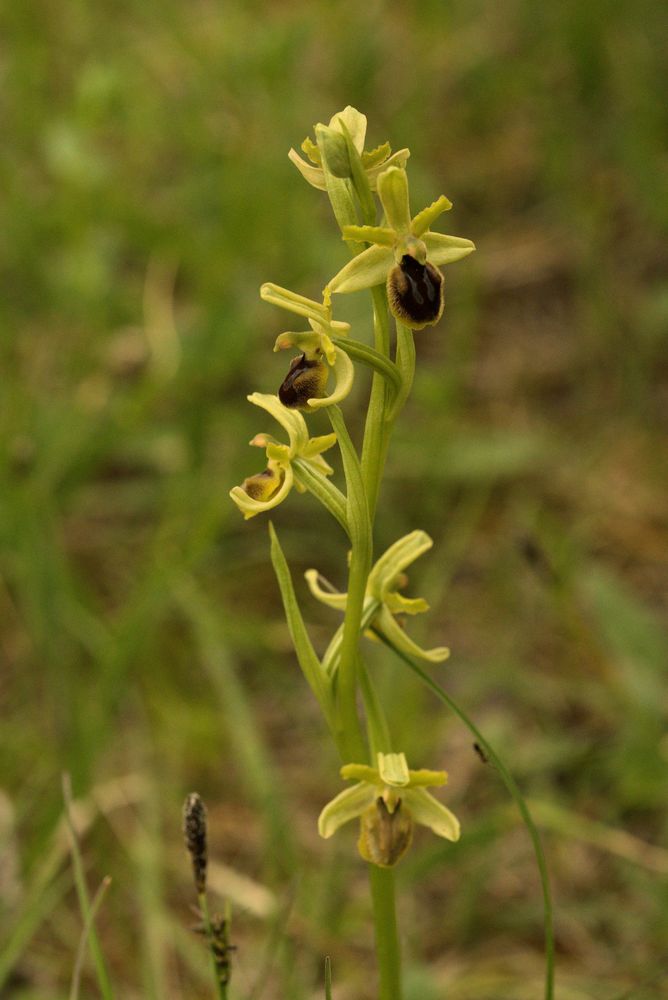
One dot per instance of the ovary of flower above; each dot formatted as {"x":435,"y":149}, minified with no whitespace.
{"x":382,"y":600}
{"x":269,"y":488}
{"x":405,"y":254}
{"x":388,"y":799}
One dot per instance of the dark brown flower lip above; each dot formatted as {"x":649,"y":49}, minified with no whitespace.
{"x":415,"y":292}
{"x":306,"y":379}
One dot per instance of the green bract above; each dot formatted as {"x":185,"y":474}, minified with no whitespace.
{"x":382,"y":600}
{"x":388,"y":799}
{"x":403,"y":237}
{"x":285,"y":461}
{"x":315,"y":344}
{"x":333,"y":137}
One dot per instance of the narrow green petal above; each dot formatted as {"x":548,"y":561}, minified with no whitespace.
{"x":390,"y":628}
{"x":332,"y":600}
{"x":318,"y":462}
{"x":393,"y":193}
{"x":275,"y":451}
{"x":424,"y":219}
{"x":316,"y":445}
{"x":361,"y":772}
{"x":423,"y":777}
{"x":442,"y":249}
{"x":428,"y":811}
{"x":400,"y":605}
{"x":393,"y":769}
{"x":291,"y":420}
{"x":398,"y":159}
{"x":379,"y":235}
{"x":314,"y":175}
{"x":349,"y":804}
{"x":313,"y":153}
{"x":284,"y":298}
{"x":344,"y":372}
{"x":307,"y":341}
{"x":369,"y":268}
{"x":395,"y":559}
{"x":250,"y":507}
{"x":374,"y":157}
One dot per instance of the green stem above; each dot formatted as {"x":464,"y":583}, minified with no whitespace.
{"x":520,"y":801}
{"x":360,"y":564}
{"x":221,"y":986}
{"x":376,"y":430}
{"x":323,"y":490}
{"x":387,"y":940}
{"x":378,"y":730}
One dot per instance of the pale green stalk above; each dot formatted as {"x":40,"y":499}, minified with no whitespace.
{"x":374,"y":451}
{"x":102,"y":975}
{"x":221,"y":987}
{"x":360,"y":564}
{"x":387,"y":940}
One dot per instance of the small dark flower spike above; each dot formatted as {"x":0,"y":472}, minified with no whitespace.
{"x":194,"y":832}
{"x":415,"y":293}
{"x":307,"y":379}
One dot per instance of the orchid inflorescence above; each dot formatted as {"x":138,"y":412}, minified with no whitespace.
{"x":398,"y":257}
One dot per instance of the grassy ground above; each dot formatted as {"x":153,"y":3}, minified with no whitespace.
{"x":146,"y":197}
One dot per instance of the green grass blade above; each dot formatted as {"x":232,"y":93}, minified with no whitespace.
{"x":84,"y":900}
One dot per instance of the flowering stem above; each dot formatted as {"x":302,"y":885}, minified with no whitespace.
{"x":387,"y":941}
{"x":374,"y":448}
{"x":360,"y":563}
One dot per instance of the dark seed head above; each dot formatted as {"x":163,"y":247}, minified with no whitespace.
{"x":194,"y":831}
{"x":415,"y":293}
{"x":307,"y":379}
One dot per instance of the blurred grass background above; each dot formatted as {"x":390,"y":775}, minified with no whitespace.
{"x":146,"y":195}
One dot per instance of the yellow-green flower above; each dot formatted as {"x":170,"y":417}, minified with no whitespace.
{"x":305,"y":384}
{"x":388,"y":800}
{"x":373,"y":161}
{"x":404,"y":254}
{"x":383,"y":601}
{"x":267,"y":489}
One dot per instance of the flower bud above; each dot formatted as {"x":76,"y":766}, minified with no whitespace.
{"x":385,"y":836}
{"x":263,"y":485}
{"x":415,"y":292}
{"x":307,"y":379}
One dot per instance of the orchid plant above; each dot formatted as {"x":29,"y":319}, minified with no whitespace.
{"x":398,"y":258}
